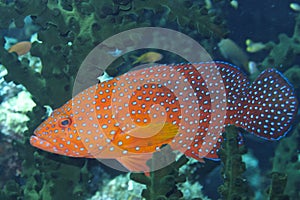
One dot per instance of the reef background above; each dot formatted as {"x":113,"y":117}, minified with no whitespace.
{"x":69,"y":30}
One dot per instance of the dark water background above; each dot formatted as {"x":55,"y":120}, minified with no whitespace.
{"x":260,"y":20}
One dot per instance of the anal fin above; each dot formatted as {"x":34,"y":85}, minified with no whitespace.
{"x":136,"y":163}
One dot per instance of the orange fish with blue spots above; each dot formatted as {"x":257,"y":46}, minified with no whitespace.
{"x":186,"y":106}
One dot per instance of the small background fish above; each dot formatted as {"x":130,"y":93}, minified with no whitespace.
{"x":230,"y":50}
{"x":20,"y":48}
{"x":149,"y":57}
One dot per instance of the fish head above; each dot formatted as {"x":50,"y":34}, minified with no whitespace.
{"x":58,"y":134}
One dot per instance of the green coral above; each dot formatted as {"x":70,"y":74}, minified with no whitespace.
{"x":43,"y":181}
{"x":162,"y":183}
{"x":11,"y":191}
{"x":235,"y":186}
{"x":287,"y":161}
{"x":285,"y":174}
{"x":187,"y":14}
{"x":283,"y":54}
{"x":293,"y":75}
{"x":277,"y":186}
{"x":69,"y":30}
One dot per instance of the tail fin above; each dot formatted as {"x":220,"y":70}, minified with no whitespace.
{"x":270,"y":106}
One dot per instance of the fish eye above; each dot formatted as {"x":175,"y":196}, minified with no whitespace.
{"x":65,"y":122}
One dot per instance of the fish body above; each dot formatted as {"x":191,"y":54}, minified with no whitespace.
{"x":253,"y":47}
{"x":186,"y":106}
{"x":20,"y":48}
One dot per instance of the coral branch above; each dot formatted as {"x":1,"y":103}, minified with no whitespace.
{"x":235,"y":186}
{"x":162,"y":183}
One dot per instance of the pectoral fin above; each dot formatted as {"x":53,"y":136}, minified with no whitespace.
{"x":147,"y":138}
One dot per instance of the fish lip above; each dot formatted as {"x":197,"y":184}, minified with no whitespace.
{"x":35,"y":132}
{"x":38,"y":142}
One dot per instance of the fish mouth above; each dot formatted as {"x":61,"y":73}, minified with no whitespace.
{"x":39,"y":143}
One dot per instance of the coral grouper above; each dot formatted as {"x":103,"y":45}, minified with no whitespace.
{"x":186,"y":106}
